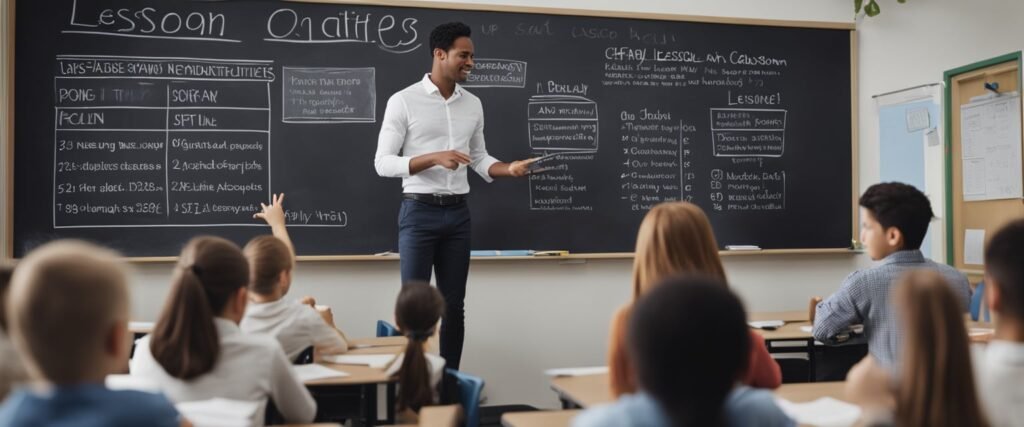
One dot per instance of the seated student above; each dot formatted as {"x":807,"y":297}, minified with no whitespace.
{"x":12,"y":371}
{"x":676,"y":238}
{"x":68,"y":314}
{"x":197,"y":352}
{"x":296,"y":325}
{"x":934,"y":386}
{"x":894,"y":219}
{"x":1000,"y":364}
{"x":680,"y":385}
{"x":417,"y":311}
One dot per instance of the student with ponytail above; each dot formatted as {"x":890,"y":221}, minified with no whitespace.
{"x":417,"y":312}
{"x":197,"y":351}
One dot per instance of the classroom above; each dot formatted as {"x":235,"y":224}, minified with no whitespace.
{"x":524,"y":315}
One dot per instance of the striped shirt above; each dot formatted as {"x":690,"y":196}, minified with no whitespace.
{"x":863,"y":299}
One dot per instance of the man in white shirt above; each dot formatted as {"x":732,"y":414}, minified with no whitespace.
{"x":1000,"y":366}
{"x":432,"y":132}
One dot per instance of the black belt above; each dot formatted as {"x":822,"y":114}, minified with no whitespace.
{"x":436,"y":199}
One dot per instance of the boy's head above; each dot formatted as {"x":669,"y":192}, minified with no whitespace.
{"x":270,"y":266}
{"x":894,"y":217}
{"x":1004,"y":271}
{"x":68,"y":312}
{"x":664,"y":325}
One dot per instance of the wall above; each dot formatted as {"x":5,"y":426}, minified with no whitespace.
{"x":526,"y":316}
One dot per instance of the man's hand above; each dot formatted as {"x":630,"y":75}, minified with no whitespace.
{"x":812,"y":308}
{"x":520,"y":167}
{"x":273,"y":214}
{"x":450,"y":159}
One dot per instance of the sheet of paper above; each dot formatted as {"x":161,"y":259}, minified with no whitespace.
{"x":220,"y":412}
{"x":576,"y":372}
{"x":766,"y":323}
{"x":990,"y":139}
{"x":313,"y":371}
{"x":131,"y":382}
{"x":974,"y":246}
{"x":917,"y":119}
{"x":824,"y":411}
{"x":371,"y":360}
{"x":807,"y":328}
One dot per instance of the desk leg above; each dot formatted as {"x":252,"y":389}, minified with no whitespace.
{"x":389,"y":400}
{"x":812,"y":367}
{"x":367,"y":406}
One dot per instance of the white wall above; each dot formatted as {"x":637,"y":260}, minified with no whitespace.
{"x":525,"y":316}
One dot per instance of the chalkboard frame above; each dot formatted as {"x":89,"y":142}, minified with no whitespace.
{"x":7,"y":237}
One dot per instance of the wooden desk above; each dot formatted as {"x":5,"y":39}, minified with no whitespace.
{"x":806,"y":392}
{"x":791,"y":332}
{"x":361,"y":383}
{"x":539,"y":418}
{"x":583,"y":391}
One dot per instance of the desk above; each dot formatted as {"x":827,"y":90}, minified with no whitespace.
{"x":583,"y":391}
{"x":538,"y":418}
{"x":789,"y":332}
{"x":437,"y":416}
{"x":361,"y":383}
{"x":806,"y":392}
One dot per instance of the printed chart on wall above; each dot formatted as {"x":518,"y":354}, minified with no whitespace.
{"x":140,"y":124}
{"x":991,"y":147}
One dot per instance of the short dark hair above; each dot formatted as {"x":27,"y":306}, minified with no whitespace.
{"x":443,"y":36}
{"x":895,"y":204}
{"x":1004,"y":262}
{"x":664,"y":326}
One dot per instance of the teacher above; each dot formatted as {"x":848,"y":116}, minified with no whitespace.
{"x":432,"y":133}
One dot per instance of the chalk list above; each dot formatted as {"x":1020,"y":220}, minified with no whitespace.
{"x":140,"y":123}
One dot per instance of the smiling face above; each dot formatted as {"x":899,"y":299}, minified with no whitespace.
{"x":455,"y":64}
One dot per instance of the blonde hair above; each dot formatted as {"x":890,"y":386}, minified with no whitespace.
{"x":268,"y":256}
{"x":674,"y":238}
{"x":936,"y":387}
{"x":64,"y":299}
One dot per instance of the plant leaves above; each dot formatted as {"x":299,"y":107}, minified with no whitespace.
{"x":857,"y":4}
{"x":901,"y":1}
{"x":872,"y":9}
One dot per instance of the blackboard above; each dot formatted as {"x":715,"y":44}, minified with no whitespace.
{"x":139,"y":124}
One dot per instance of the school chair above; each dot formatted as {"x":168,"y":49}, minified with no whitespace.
{"x":385,"y":329}
{"x":468,"y":389}
{"x":977,"y":299}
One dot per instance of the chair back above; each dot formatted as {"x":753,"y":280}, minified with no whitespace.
{"x":469,"y":388}
{"x":978,"y":302}
{"x":386,"y":329}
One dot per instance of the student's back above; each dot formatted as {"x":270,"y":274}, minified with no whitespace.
{"x":197,"y":351}
{"x":1000,"y":366}
{"x":69,"y":319}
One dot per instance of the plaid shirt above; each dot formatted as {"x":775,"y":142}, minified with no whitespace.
{"x":863,"y":298}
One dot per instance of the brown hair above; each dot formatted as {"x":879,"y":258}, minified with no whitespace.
{"x":417,"y":311}
{"x":6,"y":270}
{"x":674,"y":238}
{"x":936,"y":387}
{"x":184,"y":340}
{"x":65,"y":298}
{"x":268,"y":256}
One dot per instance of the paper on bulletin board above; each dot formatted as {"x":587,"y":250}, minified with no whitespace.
{"x":990,"y":138}
{"x":974,"y":246}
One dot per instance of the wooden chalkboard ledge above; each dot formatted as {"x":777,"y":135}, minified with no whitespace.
{"x":581,"y":256}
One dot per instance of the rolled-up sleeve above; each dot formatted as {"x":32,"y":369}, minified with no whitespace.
{"x":836,"y":313}
{"x":480,"y":161}
{"x":387,"y":161}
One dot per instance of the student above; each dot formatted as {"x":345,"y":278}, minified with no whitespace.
{"x":296,"y":325}
{"x":417,"y":311}
{"x":894,"y":220}
{"x":12,"y":371}
{"x":68,"y":313}
{"x":935,"y":385}
{"x":679,"y":385}
{"x":676,"y":238}
{"x":196,"y":350}
{"x":1000,"y":364}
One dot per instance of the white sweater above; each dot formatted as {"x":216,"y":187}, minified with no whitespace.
{"x":295,"y":325}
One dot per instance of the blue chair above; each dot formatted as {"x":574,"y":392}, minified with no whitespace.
{"x":385,"y":329}
{"x":976,"y":303}
{"x":469,"y":388}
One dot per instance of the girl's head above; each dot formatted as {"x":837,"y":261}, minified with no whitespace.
{"x":270,"y":266}
{"x":937,"y":385}
{"x":209,"y":281}
{"x":674,"y":238}
{"x":417,"y":312}
{"x":664,"y":327}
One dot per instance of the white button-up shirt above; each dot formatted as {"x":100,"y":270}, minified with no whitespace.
{"x":417,"y":121}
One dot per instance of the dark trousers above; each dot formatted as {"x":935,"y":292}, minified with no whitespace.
{"x":438,"y":237}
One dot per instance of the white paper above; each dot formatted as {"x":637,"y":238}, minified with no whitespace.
{"x":917,"y":119}
{"x":823,"y":412}
{"x":807,"y":329}
{"x":141,"y":326}
{"x":766,"y":323}
{"x":313,"y":371}
{"x":990,"y":139}
{"x":219,"y":412}
{"x":931,"y":138}
{"x":974,"y":246}
{"x":131,"y":382}
{"x":576,"y":372}
{"x":371,"y":360}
